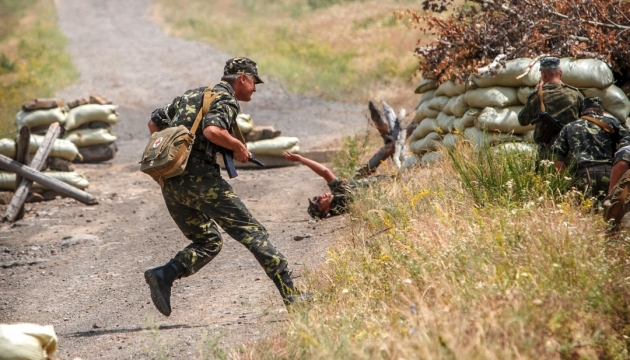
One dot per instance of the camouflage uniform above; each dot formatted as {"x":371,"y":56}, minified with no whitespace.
{"x":589,"y":149}
{"x":562,"y":101}
{"x":199,"y":200}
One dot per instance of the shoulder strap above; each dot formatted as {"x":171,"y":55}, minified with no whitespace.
{"x":208,"y":99}
{"x":607,"y":128}
{"x":540,"y":97}
{"x":237,"y":132}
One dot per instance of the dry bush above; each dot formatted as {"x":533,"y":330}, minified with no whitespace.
{"x":478,"y":31}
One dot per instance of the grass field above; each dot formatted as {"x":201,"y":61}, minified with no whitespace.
{"x":351,"y":51}
{"x":429,"y":270}
{"x":33,"y":62}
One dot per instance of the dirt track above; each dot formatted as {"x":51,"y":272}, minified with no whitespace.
{"x":80,"y":268}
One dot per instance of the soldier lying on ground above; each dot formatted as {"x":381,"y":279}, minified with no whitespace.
{"x":589,"y":144}
{"x":335,"y":202}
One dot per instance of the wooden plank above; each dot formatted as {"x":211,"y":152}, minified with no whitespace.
{"x":19,"y":198}
{"x":23,"y":143}
{"x":9,"y":164}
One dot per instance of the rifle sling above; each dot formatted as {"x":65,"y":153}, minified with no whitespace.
{"x":607,"y":128}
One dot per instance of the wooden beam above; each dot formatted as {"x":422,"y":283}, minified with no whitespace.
{"x":38,"y":162}
{"x":23,"y":143}
{"x":53,"y":184}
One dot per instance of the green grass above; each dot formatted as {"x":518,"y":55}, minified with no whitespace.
{"x":33,"y":61}
{"x":425,"y":270}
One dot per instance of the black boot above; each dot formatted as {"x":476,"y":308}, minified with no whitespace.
{"x":290,"y":294}
{"x":160,"y":280}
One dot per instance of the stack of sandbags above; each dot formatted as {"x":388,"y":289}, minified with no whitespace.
{"x":88,"y":126}
{"x":58,"y":165}
{"x":265,"y":140}
{"x":484,"y":110}
{"x":39,"y":113}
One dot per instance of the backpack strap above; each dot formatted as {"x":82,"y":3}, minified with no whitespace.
{"x":607,"y":128}
{"x":208,"y":99}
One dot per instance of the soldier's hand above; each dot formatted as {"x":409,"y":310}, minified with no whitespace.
{"x":291,"y":157}
{"x":242,"y":154}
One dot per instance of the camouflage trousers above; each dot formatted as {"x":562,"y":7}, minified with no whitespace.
{"x":199,"y":200}
{"x":593,"y":181}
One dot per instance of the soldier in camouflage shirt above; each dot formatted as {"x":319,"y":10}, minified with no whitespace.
{"x":341,"y":190}
{"x":200,"y":200}
{"x":589,"y":148}
{"x":563,"y":102}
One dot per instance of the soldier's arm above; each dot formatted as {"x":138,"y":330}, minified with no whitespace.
{"x":560,"y":149}
{"x":525,"y":116}
{"x":317,"y":168}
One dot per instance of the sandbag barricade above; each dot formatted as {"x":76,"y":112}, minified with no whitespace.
{"x":88,"y":126}
{"x":486,"y":112}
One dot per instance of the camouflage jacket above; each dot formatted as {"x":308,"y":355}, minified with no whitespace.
{"x":343,"y":192}
{"x":562,"y":101}
{"x":183,"y":111}
{"x":582,"y":143}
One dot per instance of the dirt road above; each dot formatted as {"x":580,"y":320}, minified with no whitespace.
{"x":80,"y":268}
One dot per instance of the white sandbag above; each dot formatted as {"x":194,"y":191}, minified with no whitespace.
{"x":498,"y":96}
{"x":438,"y":102}
{"x":503,"y":120}
{"x":424,"y":112}
{"x":445,"y":123}
{"x":410,"y":161}
{"x":515,"y":147}
{"x":430,"y":158}
{"x":507,"y":76}
{"x":586,"y":73}
{"x":427,"y":143}
{"x":37,"y":118}
{"x":615,"y":100}
{"x":425,"y":127}
{"x":90,"y":137}
{"x":61,"y":148}
{"x":459,"y":106}
{"x":450,"y":140}
{"x":426,"y":85}
{"x":91,"y":112}
{"x":451,"y":89}
{"x":523,"y":94}
{"x":275,"y":146}
{"x":448,"y":108}
{"x":27,"y":342}
{"x":429,"y":95}
{"x":8,"y":148}
{"x":245,"y":123}
{"x":418,"y":116}
{"x":7,"y":180}
{"x":470,"y":116}
{"x":458,"y":126}
{"x":481,"y":139}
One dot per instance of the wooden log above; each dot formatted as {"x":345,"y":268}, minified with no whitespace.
{"x":19,"y":198}
{"x":23,"y":143}
{"x":8,"y":164}
{"x":381,"y":124}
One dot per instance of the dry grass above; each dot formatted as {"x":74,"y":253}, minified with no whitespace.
{"x":425,"y":272}
{"x":33,"y":62}
{"x":352,"y":51}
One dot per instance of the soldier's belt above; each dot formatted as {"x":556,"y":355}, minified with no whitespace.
{"x":595,"y":169}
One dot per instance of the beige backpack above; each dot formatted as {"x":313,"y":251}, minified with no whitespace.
{"x":166,"y":154}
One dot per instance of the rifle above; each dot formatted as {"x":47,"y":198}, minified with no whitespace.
{"x":228,"y":158}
